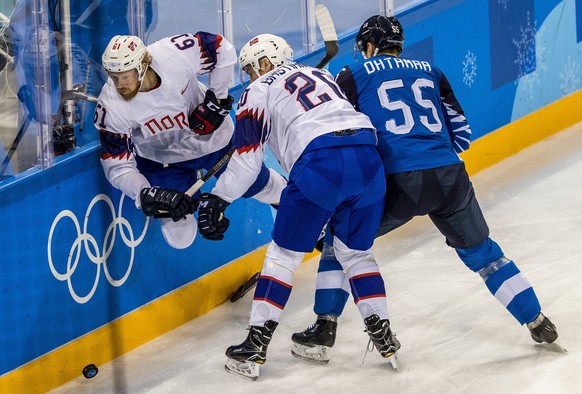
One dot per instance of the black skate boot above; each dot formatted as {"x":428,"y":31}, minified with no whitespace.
{"x":542,"y":330}
{"x":313,"y":343}
{"x":245,"y":359}
{"x":383,"y":338}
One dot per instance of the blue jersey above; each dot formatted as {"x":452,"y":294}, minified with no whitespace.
{"x":411,"y":104}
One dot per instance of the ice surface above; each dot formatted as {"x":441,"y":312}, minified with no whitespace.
{"x":456,"y":338}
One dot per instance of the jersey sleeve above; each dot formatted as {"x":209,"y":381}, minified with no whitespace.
{"x":207,"y":53}
{"x":457,"y":125}
{"x":217,"y":57}
{"x":250,"y":134}
{"x":346,"y":81}
{"x":117,"y":158}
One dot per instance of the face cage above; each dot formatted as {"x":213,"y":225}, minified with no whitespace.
{"x":245,"y":79}
{"x":357,"y":51}
{"x":256,"y":66}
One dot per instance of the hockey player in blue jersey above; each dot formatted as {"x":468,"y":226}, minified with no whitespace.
{"x":335,"y":174}
{"x":421,"y":128}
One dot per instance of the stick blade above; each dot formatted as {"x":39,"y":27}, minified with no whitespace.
{"x":328,"y":33}
{"x":243,"y":289}
{"x":325,"y":23}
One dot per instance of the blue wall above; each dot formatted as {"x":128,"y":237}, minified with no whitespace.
{"x":49,"y":300}
{"x":504,"y":59}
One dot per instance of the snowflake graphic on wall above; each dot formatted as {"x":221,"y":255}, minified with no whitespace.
{"x":526,"y":46}
{"x":530,"y":57}
{"x":469,"y":68}
{"x":569,"y":77}
{"x":503,"y":3}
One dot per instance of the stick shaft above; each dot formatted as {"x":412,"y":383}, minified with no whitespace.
{"x":213,"y":170}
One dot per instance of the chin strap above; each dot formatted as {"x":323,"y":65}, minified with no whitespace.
{"x":366,"y":57}
{"x":142,"y":78}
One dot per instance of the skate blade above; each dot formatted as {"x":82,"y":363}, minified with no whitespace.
{"x":393,"y":359}
{"x":248,"y":370}
{"x":314,"y":354}
{"x":557,"y":345}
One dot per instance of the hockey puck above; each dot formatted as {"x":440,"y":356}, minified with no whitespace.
{"x":90,"y":371}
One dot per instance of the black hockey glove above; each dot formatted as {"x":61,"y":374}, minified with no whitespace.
{"x":212,"y":224}
{"x":209,"y":115}
{"x":63,"y":138}
{"x":160,"y":202}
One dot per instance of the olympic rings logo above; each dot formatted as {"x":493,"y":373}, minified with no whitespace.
{"x":91,"y":247}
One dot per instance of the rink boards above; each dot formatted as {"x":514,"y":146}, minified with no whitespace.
{"x":87,"y":278}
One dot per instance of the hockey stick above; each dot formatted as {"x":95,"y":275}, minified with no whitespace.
{"x":243,"y":289}
{"x":213,"y":170}
{"x":200,"y":182}
{"x":328,"y":33}
{"x":14,"y":145}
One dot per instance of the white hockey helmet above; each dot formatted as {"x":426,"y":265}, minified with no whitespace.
{"x":275,"y":48}
{"x":124,"y":53}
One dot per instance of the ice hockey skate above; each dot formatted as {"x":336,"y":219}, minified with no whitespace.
{"x":383,"y":338}
{"x":543,"y":330}
{"x":246,"y":359}
{"x":314,"y":343}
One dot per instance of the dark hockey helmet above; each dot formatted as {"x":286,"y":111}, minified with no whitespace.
{"x":382,"y":31}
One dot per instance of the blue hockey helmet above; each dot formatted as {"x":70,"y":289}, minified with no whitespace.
{"x":382,"y":31}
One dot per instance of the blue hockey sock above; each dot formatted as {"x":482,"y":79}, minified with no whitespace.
{"x":512,"y":289}
{"x":331,"y":294}
{"x":503,"y":279}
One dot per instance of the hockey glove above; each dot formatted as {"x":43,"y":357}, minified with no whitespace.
{"x":63,"y":138}
{"x":212,"y":224}
{"x":209,"y":115}
{"x":160,"y":202}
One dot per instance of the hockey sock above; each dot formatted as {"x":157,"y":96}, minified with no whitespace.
{"x":271,"y":296}
{"x":369,"y":293}
{"x":274,"y":284}
{"x":332,"y":287}
{"x":512,"y":289}
{"x":503,"y":279}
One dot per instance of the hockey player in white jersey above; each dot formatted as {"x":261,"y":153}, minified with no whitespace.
{"x":335,"y":175}
{"x":159,"y":125}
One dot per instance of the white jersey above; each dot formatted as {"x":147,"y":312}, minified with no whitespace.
{"x":285,"y":109}
{"x":154,"y":124}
